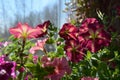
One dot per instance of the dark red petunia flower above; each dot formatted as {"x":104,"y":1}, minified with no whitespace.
{"x":74,"y":50}
{"x":94,"y":34}
{"x":68,"y":31}
{"x":43,"y":28}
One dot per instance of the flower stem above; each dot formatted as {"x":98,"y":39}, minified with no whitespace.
{"x":21,"y":53}
{"x":21,"y":58}
{"x":45,"y":51}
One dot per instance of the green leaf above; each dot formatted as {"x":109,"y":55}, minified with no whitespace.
{"x":60,"y":39}
{"x":50,"y":41}
{"x":116,"y":53}
{"x":51,"y":34}
{"x":60,"y":50}
{"x":52,"y":28}
{"x":95,"y":56}
{"x":89,"y":55}
{"x":29,"y":65}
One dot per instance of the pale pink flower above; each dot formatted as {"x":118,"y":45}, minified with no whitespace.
{"x":6,"y":43}
{"x":38,"y":46}
{"x":89,"y":78}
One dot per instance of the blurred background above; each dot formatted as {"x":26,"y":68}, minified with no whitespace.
{"x":32,"y":12}
{"x":58,"y":12}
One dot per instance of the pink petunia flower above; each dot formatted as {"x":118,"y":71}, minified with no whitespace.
{"x":4,"y":44}
{"x":24,"y":31}
{"x":38,"y":46}
{"x":89,"y":78}
{"x":60,"y":67}
{"x":28,"y":76}
{"x":35,"y":59}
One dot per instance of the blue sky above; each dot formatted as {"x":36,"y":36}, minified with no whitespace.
{"x":11,"y":8}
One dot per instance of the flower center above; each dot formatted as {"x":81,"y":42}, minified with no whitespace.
{"x":93,"y":35}
{"x":2,"y":72}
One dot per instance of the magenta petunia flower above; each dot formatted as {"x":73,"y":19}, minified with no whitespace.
{"x":13,"y":74}
{"x":59,"y":66}
{"x":28,"y":76}
{"x":68,"y":31}
{"x":35,"y":59}
{"x":89,"y":78}
{"x":90,"y":24}
{"x":21,"y":69}
{"x":43,"y":28}
{"x":38,"y":46}
{"x":94,"y":34}
{"x":46,"y":61}
{"x":74,"y":50}
{"x":24,"y":31}
{"x":7,"y":68}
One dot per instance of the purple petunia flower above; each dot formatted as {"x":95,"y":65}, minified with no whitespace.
{"x":7,"y":68}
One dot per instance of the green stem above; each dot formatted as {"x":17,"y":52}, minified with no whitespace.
{"x":45,"y":51}
{"x":21,"y":57}
{"x":21,"y":54}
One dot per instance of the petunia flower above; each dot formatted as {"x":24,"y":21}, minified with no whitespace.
{"x":90,"y":24}
{"x":59,"y":66}
{"x":24,"y":31}
{"x":74,"y":50}
{"x":38,"y":46}
{"x":46,"y":61}
{"x":43,"y":28}
{"x":13,"y":74}
{"x":35,"y":59}
{"x":68,"y":31}
{"x":94,"y":34}
{"x":89,"y":78}
{"x":21,"y":69}
{"x":4,"y":44}
{"x":7,"y":68}
{"x":28,"y":76}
